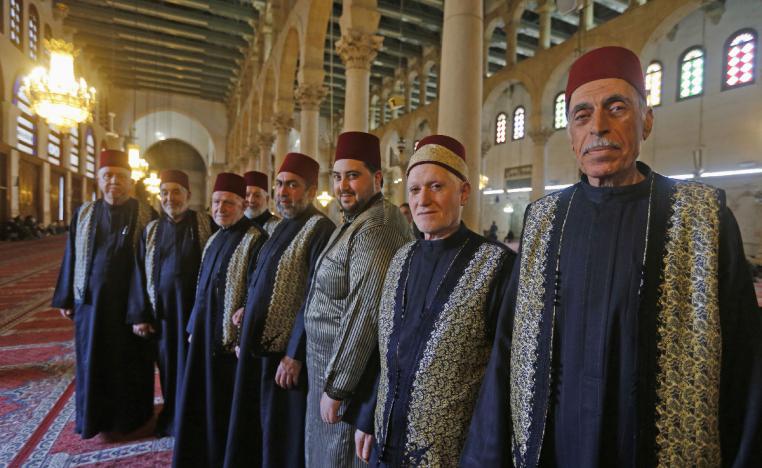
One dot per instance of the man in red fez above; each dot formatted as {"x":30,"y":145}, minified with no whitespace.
{"x":633,"y":335}
{"x":206,"y":393}
{"x":269,"y":402}
{"x":164,"y":284}
{"x":434,"y":343}
{"x":258,"y":200}
{"x":114,"y":380}
{"x":341,"y":310}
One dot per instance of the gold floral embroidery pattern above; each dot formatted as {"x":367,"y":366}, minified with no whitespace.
{"x":204,"y":228}
{"x":145,"y":214}
{"x":689,"y":344}
{"x":149,"y":260}
{"x":271,"y":224}
{"x":452,"y":367}
{"x":82,"y":248}
{"x":528,"y":313}
{"x":288,"y":289}
{"x":235,"y":285}
{"x":386,"y":325}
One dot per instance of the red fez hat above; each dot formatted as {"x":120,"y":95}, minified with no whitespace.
{"x":229,"y":182}
{"x":256,"y":179}
{"x":301,"y":165}
{"x":173,"y":175}
{"x":441,"y":150}
{"x":606,"y":62}
{"x":114,"y":158}
{"x":360,"y":146}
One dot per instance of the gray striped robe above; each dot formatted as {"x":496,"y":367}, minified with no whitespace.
{"x":341,"y":322}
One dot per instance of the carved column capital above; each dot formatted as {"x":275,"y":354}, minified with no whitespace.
{"x":357,"y":50}
{"x":541,"y":135}
{"x":310,"y":95}
{"x":265,"y":139}
{"x":282,"y":122}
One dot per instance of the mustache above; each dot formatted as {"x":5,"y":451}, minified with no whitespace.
{"x":347,"y":192}
{"x":601,"y":142}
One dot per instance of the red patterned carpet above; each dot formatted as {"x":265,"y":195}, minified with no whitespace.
{"x":37,"y":373}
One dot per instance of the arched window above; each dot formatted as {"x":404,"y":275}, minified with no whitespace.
{"x":740,"y":59}
{"x":55,"y":142}
{"x":559,"y":111}
{"x":415,"y":93}
{"x":26,"y":122}
{"x":16,"y":22}
{"x":501,"y":125}
{"x":519,"y":116}
{"x":90,"y":157}
{"x":34,"y":33}
{"x":431,"y":85}
{"x":653,"y":84}
{"x":74,"y":148}
{"x":691,"y":73}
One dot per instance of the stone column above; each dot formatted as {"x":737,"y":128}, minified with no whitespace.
{"x":252,"y":157}
{"x":309,"y":96}
{"x":460,"y":89}
{"x":511,"y":40}
{"x":282,"y":123}
{"x":357,"y":51}
{"x":540,"y":139}
{"x":588,"y":17}
{"x":45,"y":192}
{"x":422,"y":88}
{"x":545,"y":10}
{"x":265,"y":143}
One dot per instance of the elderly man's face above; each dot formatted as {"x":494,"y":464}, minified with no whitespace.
{"x":227,"y":208}
{"x":436,"y":197}
{"x":606,"y":125}
{"x":115,"y":183}
{"x":174,"y":199}
{"x":256,"y":200}
{"x":354,"y":184}
{"x":292,"y":195}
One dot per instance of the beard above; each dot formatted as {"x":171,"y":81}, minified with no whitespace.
{"x":251,"y":214}
{"x":294,"y":210}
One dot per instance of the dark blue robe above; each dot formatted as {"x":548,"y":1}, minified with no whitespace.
{"x":431,"y":307}
{"x":206,"y":394}
{"x":601,"y":401}
{"x":267,"y":421}
{"x":114,"y":373}
{"x":177,"y":257}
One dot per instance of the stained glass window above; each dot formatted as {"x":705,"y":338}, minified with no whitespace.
{"x":501,"y":125}
{"x":692,"y":73}
{"x":26,"y":123}
{"x":15,"y":22}
{"x":653,"y":84}
{"x":54,"y":147}
{"x":559,"y":112}
{"x":90,"y":157}
{"x":34,"y":33}
{"x":740,"y":59}
{"x":74,"y":148}
{"x":518,"y":123}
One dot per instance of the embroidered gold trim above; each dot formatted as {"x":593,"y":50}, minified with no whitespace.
{"x":271,"y":224}
{"x":452,"y":367}
{"x":82,"y":248}
{"x":288,"y":289}
{"x":204,"y":228}
{"x":440,"y":154}
{"x":235,"y":285}
{"x":528,"y":313}
{"x":151,"y":230}
{"x":689,"y":346}
{"x":385,"y":327}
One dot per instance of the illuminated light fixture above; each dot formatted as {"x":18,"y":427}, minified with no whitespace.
{"x":519,"y":190}
{"x":681,"y":176}
{"x":397,"y":181}
{"x":139,"y":165}
{"x":153,"y":183}
{"x":732,"y":173}
{"x":55,"y":94}
{"x":557,"y":187}
{"x":493,"y":191}
{"x":508,"y":209}
{"x":160,"y":136}
{"x":483,"y":181}
{"x":396,"y":102}
{"x":324,"y":199}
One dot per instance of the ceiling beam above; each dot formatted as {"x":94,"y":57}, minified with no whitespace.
{"x":126,"y":46}
{"x":143,"y":23}
{"x":106,"y":57}
{"x":242,"y":11}
{"x":149,"y":87}
{"x":114,"y":33}
{"x":163,"y":78}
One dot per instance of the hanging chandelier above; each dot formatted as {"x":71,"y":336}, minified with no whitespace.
{"x":324,"y":199}
{"x":55,"y":94}
{"x":153,"y":183}
{"x":138,"y":165}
